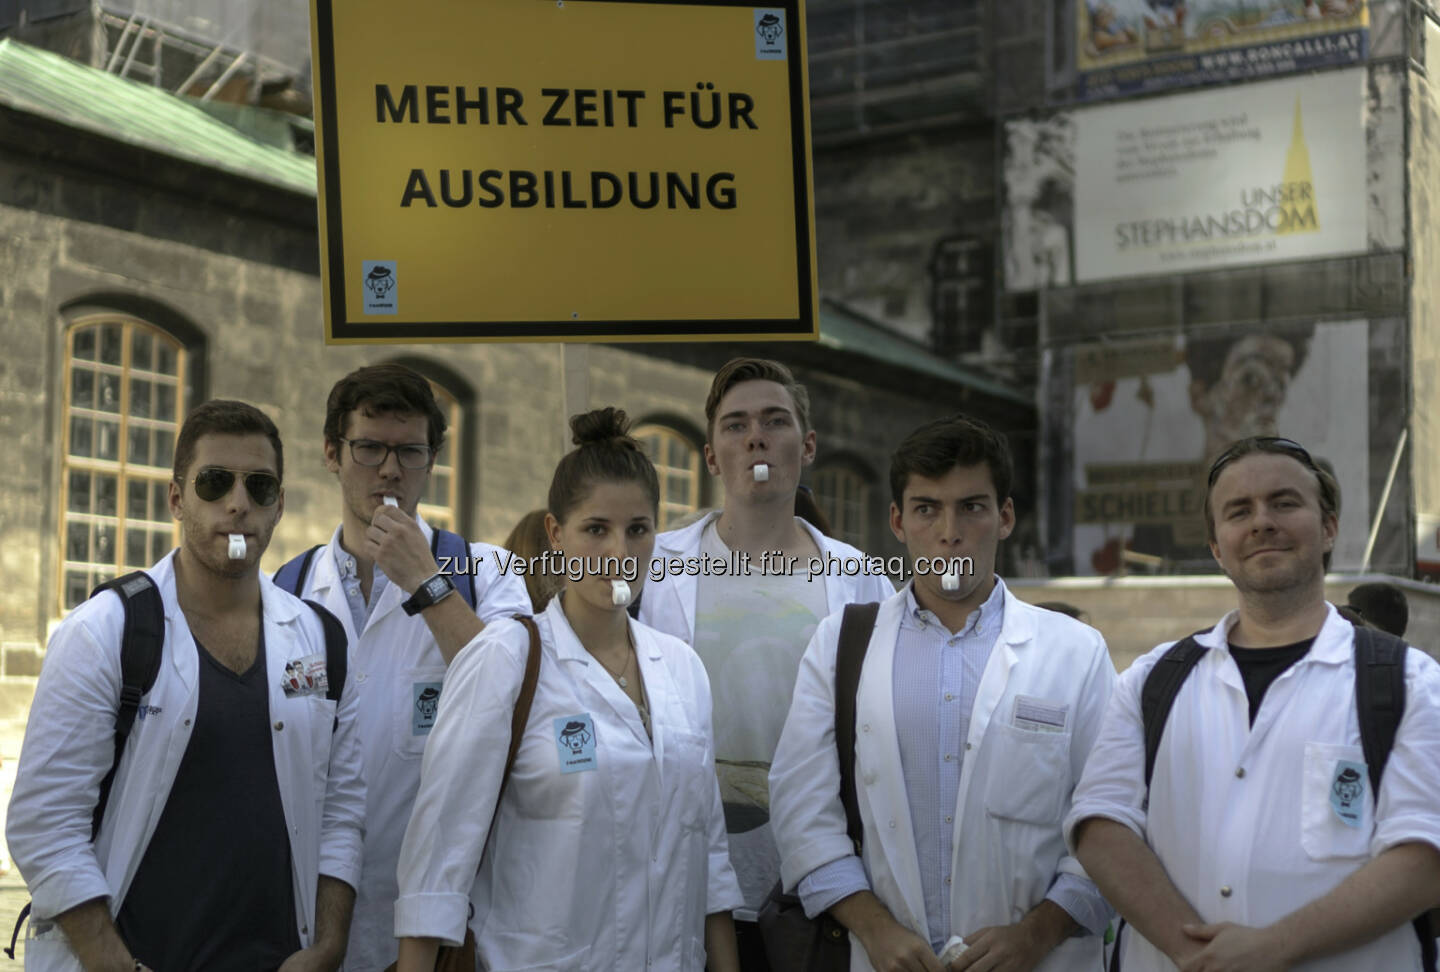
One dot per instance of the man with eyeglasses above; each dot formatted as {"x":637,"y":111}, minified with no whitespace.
{"x":230,"y":838}
{"x":380,"y":574}
{"x":1242,"y":831}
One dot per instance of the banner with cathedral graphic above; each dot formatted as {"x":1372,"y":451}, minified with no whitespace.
{"x":1131,"y":46}
{"x":1264,"y":173}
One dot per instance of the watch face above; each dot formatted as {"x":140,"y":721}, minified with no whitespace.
{"x":436,"y":587}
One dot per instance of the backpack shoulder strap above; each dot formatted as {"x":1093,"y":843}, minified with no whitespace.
{"x":291,"y":576}
{"x":337,"y":658}
{"x":855,"y":629}
{"x":1379,"y":707}
{"x":1158,"y":693}
{"x":1379,"y":697}
{"x":444,"y":543}
{"x":141,"y":648}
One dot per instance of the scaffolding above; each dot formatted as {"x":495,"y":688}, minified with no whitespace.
{"x":203,"y":48}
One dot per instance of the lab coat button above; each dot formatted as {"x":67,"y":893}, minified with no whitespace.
{"x":1240,"y":772}
{"x":892,"y":825}
{"x":279,"y":726}
{"x":1225,"y":891}
{"x":967,"y":747}
{"x":866,"y":727}
{"x":869,"y":779}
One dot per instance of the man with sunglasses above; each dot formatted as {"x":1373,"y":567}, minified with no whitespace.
{"x":230,"y":838}
{"x":1258,"y":844}
{"x":380,"y":576}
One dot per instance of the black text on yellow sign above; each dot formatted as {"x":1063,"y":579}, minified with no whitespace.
{"x":585,"y":170}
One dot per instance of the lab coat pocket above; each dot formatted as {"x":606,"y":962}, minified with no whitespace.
{"x":46,"y":949}
{"x":1034,"y":774}
{"x":1336,"y":805}
{"x":693,"y":956}
{"x":686,"y":776}
{"x":416,"y":703}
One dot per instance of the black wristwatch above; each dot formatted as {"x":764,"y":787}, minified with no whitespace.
{"x":434,"y":590}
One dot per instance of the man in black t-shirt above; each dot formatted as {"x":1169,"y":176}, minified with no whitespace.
{"x":1255,"y":842}
{"x":230,"y":839}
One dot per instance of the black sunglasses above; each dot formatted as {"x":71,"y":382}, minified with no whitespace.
{"x":1260,"y":443}
{"x":213,"y":483}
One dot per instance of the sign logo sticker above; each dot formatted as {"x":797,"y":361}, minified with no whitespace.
{"x":769,"y":34}
{"x":382,"y":295}
{"x":426,"y":697}
{"x":1347,"y":792}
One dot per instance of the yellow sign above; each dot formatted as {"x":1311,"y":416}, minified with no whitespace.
{"x":564,"y":170}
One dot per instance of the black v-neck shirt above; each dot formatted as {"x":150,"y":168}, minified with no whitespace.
{"x":214,"y":889}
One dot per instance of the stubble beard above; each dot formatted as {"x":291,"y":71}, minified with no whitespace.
{"x":1296,"y":577}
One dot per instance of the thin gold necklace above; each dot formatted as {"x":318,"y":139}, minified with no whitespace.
{"x":620,"y":678}
{"x":624,"y":683}
{"x":629,"y":654}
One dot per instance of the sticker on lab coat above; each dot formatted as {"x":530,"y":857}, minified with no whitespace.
{"x":426,"y":703}
{"x":1037,"y":715}
{"x":305,"y":676}
{"x":575,"y":738}
{"x":1347,"y":792}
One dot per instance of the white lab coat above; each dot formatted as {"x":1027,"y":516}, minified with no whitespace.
{"x":668,"y":604}
{"x":394,"y":654}
{"x":70,"y":744}
{"x":600,"y":870}
{"x":1252,"y":848}
{"x":1015,"y":785}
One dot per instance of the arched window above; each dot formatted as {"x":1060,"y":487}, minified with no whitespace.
{"x":677,"y":463}
{"x":844,"y":497}
{"x":441,"y":502}
{"x":124,"y":400}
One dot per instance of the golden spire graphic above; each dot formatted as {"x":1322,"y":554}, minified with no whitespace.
{"x":1299,"y":213}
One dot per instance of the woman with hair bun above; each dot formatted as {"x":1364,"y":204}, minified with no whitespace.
{"x":608,"y":849}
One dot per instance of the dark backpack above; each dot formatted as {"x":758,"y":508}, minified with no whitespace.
{"x":141,"y":649}
{"x":443,"y":544}
{"x":1379,"y":706}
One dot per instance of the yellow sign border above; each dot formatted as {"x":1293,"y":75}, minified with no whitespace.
{"x":340,"y":328}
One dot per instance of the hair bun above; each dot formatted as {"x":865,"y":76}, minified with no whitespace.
{"x":599,"y":426}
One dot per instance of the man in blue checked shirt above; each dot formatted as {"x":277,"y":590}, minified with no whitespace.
{"x":974,"y":715}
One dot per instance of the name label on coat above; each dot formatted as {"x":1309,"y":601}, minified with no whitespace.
{"x":575,"y":739}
